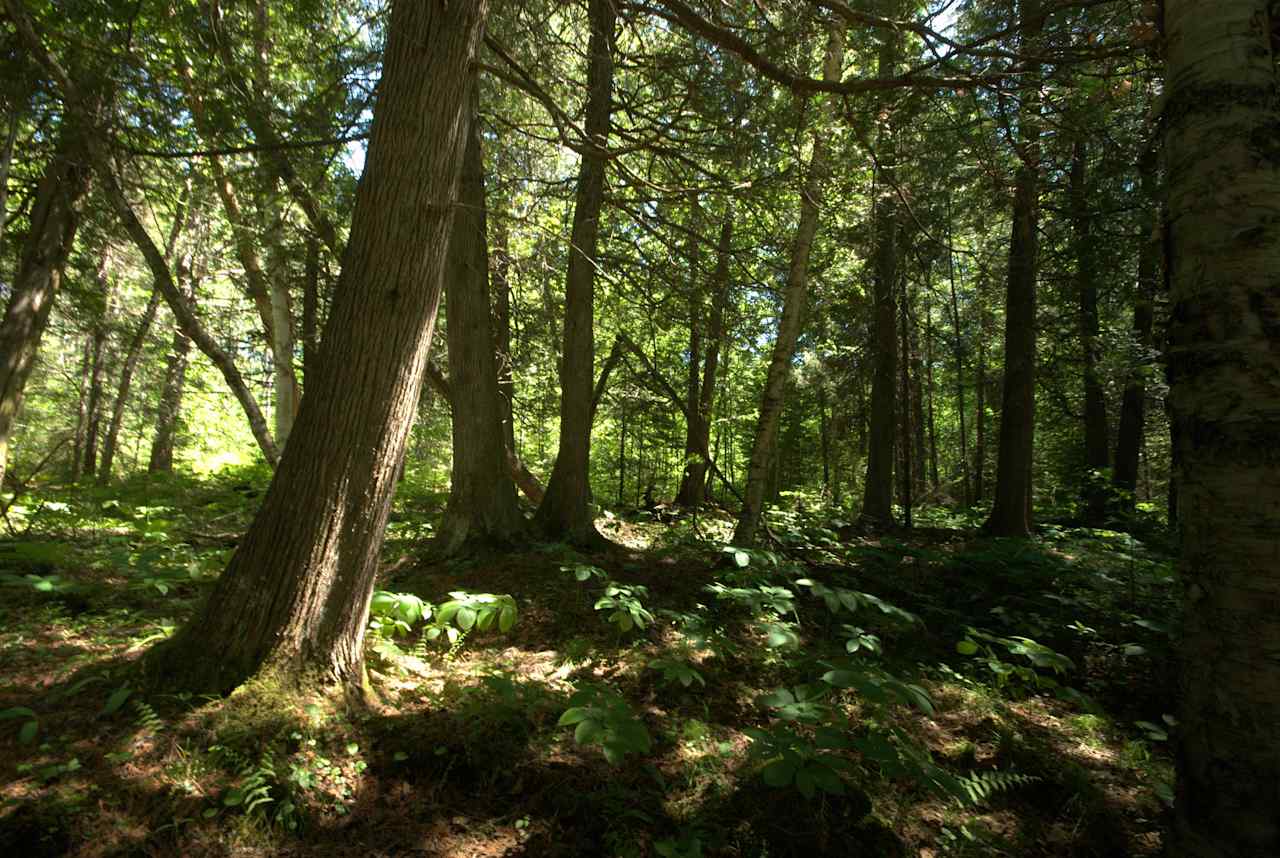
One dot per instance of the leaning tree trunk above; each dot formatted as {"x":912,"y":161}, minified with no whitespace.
{"x":764,"y":447}
{"x":1134,"y":403}
{"x":877,"y":489}
{"x":482,"y":498}
{"x":1096,"y":443}
{"x":294,"y":600}
{"x":1220,"y":116}
{"x":565,"y":511}
{"x":54,"y":217}
{"x":1011,"y":513}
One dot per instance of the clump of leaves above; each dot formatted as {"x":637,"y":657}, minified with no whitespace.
{"x":795,"y":759}
{"x":30,"y":722}
{"x":599,"y":715}
{"x":677,"y":670}
{"x":626,"y":610}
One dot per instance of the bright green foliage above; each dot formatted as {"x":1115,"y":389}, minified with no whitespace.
{"x":626,"y":610}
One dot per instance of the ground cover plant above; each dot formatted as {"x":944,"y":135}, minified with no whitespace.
{"x":935,"y":693}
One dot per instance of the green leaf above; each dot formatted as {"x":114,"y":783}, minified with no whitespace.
{"x":741,"y":559}
{"x":573,"y":716}
{"x":16,"y":712}
{"x":587,"y":730}
{"x":466,"y":618}
{"x":27,"y":734}
{"x":506,"y":619}
{"x":116,"y":700}
{"x":967,"y":647}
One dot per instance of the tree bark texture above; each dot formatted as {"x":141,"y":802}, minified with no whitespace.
{"x":294,"y":600}
{"x":764,"y":447}
{"x":54,"y":218}
{"x":1011,"y":512}
{"x":565,"y":511}
{"x":693,"y":474}
{"x":1134,"y":403}
{"x":1096,"y":437}
{"x":1223,"y":155}
{"x":877,"y":489}
{"x":175,"y":377}
{"x":482,"y":498}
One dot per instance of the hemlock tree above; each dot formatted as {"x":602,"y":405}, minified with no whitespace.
{"x":1221,"y":114}
{"x":294,"y":600}
{"x":482,"y":497}
{"x":565,"y":511}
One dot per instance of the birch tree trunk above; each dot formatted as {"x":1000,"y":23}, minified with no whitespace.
{"x":793,"y":305}
{"x":1220,"y":115}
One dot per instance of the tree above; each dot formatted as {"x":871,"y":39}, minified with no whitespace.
{"x":482,"y":498}
{"x":565,"y":511}
{"x":763,"y":450}
{"x":1011,"y":513}
{"x":294,"y":599}
{"x":1220,"y":113}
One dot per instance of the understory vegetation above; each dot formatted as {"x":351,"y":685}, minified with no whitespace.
{"x":935,"y":693}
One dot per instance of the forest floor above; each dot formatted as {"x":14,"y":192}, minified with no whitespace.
{"x":930,"y":694}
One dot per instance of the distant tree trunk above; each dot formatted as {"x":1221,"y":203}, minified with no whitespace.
{"x":134,"y":352}
{"x":793,"y":304}
{"x":1011,"y":514}
{"x":54,"y":218}
{"x":1096,"y":442}
{"x":877,"y":489}
{"x":1133,"y":406}
{"x":968,"y":496}
{"x":283,"y":344}
{"x":919,"y":426}
{"x":934,"y":479}
{"x":175,"y":376}
{"x":294,"y":600}
{"x":482,"y":504}
{"x":824,"y":439}
{"x":98,"y":366}
{"x":980,"y":418}
{"x":565,"y":512}
{"x":693,"y":471}
{"x":502,"y":328}
{"x":311,"y":312}
{"x":907,"y":476}
{"x":82,"y":411}
{"x":1220,"y":115}
{"x":622,"y":455}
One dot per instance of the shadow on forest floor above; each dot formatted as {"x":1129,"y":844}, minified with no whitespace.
{"x":1037,"y":658}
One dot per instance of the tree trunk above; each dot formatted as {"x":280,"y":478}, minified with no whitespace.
{"x":907,"y":474}
{"x":502,"y":329}
{"x":175,"y":376}
{"x":934,"y":477}
{"x":693,"y":473}
{"x":134,"y":352}
{"x":295,"y":598}
{"x":1221,"y":113}
{"x":54,"y":218}
{"x":311,"y":312}
{"x":793,"y":305}
{"x":482,"y":498}
{"x":1011,"y":514}
{"x":877,"y":489}
{"x":6,"y":160}
{"x":1133,"y":406}
{"x":968,"y":497}
{"x":565,"y":512}
{"x":980,"y":417}
{"x":98,"y":367}
{"x":82,"y":411}
{"x":1096,"y":440}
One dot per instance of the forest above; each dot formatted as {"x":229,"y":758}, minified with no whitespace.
{"x":640,"y":428}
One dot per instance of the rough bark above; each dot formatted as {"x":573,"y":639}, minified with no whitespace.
{"x":1221,"y":118}
{"x":1133,"y":405}
{"x":1096,"y":441}
{"x":54,"y":218}
{"x":501,"y":260}
{"x":482,"y":504}
{"x":294,"y":600}
{"x":311,"y":311}
{"x":693,"y":474}
{"x":763,"y":450}
{"x":565,"y":512}
{"x":877,"y":489}
{"x":1011,"y":513}
{"x":907,"y":474}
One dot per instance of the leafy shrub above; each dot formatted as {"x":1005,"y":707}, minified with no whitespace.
{"x":601,"y":716}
